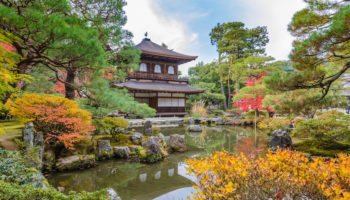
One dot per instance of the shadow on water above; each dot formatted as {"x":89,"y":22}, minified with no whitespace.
{"x":163,"y":180}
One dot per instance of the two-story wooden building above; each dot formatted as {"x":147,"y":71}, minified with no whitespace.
{"x":157,"y":83}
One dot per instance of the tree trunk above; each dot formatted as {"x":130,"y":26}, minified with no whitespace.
{"x":257,"y":112}
{"x":229,"y":91}
{"x":223,"y":93}
{"x":70,"y":90}
{"x":222,"y":86}
{"x":237,"y":86}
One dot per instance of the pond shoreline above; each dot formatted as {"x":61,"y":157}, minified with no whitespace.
{"x":132,"y":180}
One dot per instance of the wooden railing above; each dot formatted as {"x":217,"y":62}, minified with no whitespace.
{"x":152,"y":76}
{"x":171,"y":109}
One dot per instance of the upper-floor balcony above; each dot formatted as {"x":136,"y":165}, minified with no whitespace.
{"x":154,"y":76}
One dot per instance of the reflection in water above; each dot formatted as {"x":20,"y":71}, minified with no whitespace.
{"x":163,"y":180}
{"x":170,"y":172}
{"x":143,"y":177}
{"x":157,"y":175}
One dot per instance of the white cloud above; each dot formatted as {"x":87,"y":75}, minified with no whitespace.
{"x":173,"y":30}
{"x":276,"y":15}
{"x":146,"y":16}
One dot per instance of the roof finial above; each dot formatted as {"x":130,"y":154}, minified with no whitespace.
{"x":146,"y":38}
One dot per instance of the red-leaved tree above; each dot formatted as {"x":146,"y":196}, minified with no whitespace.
{"x":59,"y":119}
{"x":251,"y":96}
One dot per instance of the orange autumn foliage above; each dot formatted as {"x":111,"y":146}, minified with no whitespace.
{"x":281,"y":175}
{"x":60,"y":120}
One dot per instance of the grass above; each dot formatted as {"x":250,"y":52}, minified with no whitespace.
{"x":124,"y":140}
{"x":13,"y":129}
{"x":327,"y":148}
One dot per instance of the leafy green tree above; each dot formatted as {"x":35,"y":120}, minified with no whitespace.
{"x":234,"y":42}
{"x":205,"y":76}
{"x":72,"y":38}
{"x":216,"y":35}
{"x":323,"y":41}
{"x":44,"y":81}
{"x":51,"y":34}
{"x":250,"y":67}
{"x":103,"y":99}
{"x":78,"y":41}
{"x":304,"y":102}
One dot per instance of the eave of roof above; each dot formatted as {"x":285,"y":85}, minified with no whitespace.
{"x":158,"y":87}
{"x":150,"y":48}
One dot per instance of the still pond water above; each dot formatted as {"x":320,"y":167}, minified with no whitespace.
{"x":167,"y":180}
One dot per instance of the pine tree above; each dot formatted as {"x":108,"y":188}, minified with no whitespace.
{"x":323,"y":41}
{"x":234,"y":42}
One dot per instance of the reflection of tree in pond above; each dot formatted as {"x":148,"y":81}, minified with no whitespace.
{"x":218,"y":138}
{"x":125,"y":173}
{"x":208,"y":140}
{"x":250,"y":146}
{"x":142,"y":182}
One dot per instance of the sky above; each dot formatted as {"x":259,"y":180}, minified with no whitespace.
{"x":184,"y":25}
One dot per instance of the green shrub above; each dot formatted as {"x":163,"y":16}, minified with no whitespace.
{"x":328,"y":148}
{"x":211,"y":115}
{"x":112,"y":122}
{"x":156,"y":130}
{"x":251,"y":114}
{"x":233,"y":110}
{"x":98,"y":123}
{"x":13,"y":168}
{"x":110,"y":125}
{"x":142,"y":152}
{"x":330,"y":129}
{"x":17,"y":182}
{"x":332,"y":115}
{"x":13,"y":191}
{"x":196,"y":115}
{"x":271,"y":124}
{"x":218,"y":112}
{"x":186,"y":121}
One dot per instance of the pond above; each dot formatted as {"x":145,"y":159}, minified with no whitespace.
{"x":166,"y":180}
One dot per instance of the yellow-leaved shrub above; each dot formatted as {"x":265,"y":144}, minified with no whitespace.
{"x":281,"y":175}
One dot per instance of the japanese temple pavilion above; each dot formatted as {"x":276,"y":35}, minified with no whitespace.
{"x":157,"y":82}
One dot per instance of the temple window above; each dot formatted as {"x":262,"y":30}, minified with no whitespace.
{"x":157,"y":69}
{"x":143,"y":67}
{"x":171,"y":70}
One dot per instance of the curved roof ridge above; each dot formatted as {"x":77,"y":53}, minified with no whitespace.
{"x":149,"y":47}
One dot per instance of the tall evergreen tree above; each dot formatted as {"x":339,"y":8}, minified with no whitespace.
{"x":234,"y":42}
{"x":216,"y":35}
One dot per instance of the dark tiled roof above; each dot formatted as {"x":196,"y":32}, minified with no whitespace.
{"x":149,"y":47}
{"x":158,"y":87}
